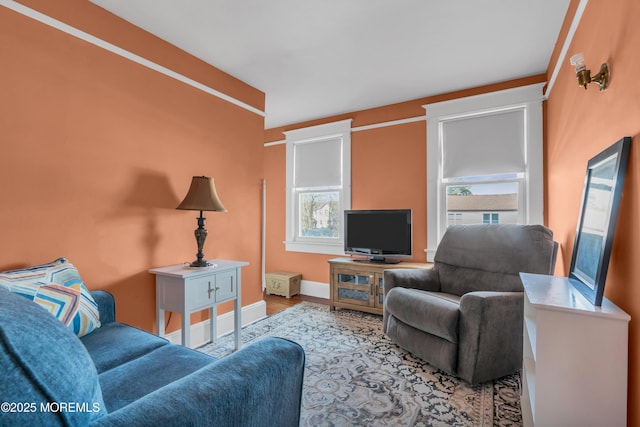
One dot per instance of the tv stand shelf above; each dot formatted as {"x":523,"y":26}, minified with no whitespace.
{"x":357,"y":284}
{"x":574,"y":357}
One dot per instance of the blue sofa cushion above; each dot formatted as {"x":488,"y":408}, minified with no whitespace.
{"x":43,"y":364}
{"x":58,"y":288}
{"x":133,"y":380}
{"x":115,"y":344}
{"x":259,"y":385}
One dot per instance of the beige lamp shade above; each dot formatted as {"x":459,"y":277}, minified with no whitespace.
{"x":202,"y":196}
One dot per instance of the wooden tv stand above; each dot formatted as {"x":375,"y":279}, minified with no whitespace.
{"x":358,"y":285}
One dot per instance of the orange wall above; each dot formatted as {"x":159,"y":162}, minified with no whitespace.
{"x":388,"y":170}
{"x":97,"y":151}
{"x":580,"y":124}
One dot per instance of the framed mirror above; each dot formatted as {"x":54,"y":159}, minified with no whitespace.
{"x":597,"y":220}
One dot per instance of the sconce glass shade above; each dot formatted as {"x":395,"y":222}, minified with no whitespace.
{"x":577,"y":61}
{"x":202,"y":196}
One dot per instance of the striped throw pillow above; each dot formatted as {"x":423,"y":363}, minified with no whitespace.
{"x":58,"y":288}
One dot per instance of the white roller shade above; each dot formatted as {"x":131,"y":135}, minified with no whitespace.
{"x":484,"y":145}
{"x":318,"y":163}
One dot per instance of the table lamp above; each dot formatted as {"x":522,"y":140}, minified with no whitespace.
{"x":202,"y":196}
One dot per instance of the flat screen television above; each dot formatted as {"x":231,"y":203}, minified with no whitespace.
{"x":382,"y":235}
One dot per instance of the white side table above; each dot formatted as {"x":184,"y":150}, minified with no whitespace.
{"x":185,"y":290}
{"x":575,"y":357}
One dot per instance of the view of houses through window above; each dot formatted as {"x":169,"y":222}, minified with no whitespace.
{"x":484,"y":200}
{"x":319,"y":212}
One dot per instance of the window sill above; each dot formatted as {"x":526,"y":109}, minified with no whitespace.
{"x":314,"y":248}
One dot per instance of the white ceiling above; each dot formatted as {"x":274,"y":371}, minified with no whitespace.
{"x":317,"y":58}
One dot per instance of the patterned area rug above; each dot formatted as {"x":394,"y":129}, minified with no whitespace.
{"x":355,"y":376}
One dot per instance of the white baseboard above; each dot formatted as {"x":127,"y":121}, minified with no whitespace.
{"x":314,"y":289}
{"x":200,"y":331}
{"x":250,"y":313}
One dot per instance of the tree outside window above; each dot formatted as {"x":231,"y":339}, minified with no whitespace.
{"x":319,"y":214}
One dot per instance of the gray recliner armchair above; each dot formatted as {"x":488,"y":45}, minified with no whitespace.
{"x":465,"y":315}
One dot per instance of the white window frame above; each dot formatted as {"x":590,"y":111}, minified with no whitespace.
{"x":528,"y":98}
{"x":309,"y":135}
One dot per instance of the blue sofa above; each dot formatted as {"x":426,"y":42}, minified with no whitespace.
{"x":119,"y":375}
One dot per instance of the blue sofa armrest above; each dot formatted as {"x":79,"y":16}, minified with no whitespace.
{"x":106,"y":306}
{"x":259,"y":385}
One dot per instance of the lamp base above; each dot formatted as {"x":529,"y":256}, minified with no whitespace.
{"x":200,"y":263}
{"x":201,"y":235}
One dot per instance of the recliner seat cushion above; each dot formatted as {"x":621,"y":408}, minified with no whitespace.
{"x":436,"y":313}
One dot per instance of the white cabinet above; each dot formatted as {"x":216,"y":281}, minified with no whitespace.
{"x":575,"y":357}
{"x":183,"y":289}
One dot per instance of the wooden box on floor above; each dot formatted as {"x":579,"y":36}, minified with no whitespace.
{"x":283,"y":283}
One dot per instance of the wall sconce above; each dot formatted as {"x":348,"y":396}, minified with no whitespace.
{"x":584,"y":75}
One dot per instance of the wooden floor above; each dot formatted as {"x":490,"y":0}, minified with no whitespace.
{"x":276,"y":303}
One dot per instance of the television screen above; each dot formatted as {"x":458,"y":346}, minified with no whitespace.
{"x":378,"y":234}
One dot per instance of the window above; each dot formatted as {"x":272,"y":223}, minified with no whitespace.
{"x":484,"y":161}
{"x":318,"y":187}
{"x":319,"y":213}
{"x":490,"y":218}
{"x":484,"y":200}
{"x":454,"y":218}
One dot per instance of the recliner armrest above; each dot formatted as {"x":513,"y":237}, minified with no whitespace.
{"x":259,"y":385}
{"x":490,"y":335}
{"x":426,"y":279}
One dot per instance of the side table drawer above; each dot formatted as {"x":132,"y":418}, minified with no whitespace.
{"x":226,"y":286}
{"x":200,"y":292}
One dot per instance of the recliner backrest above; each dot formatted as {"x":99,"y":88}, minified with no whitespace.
{"x":489,"y":257}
